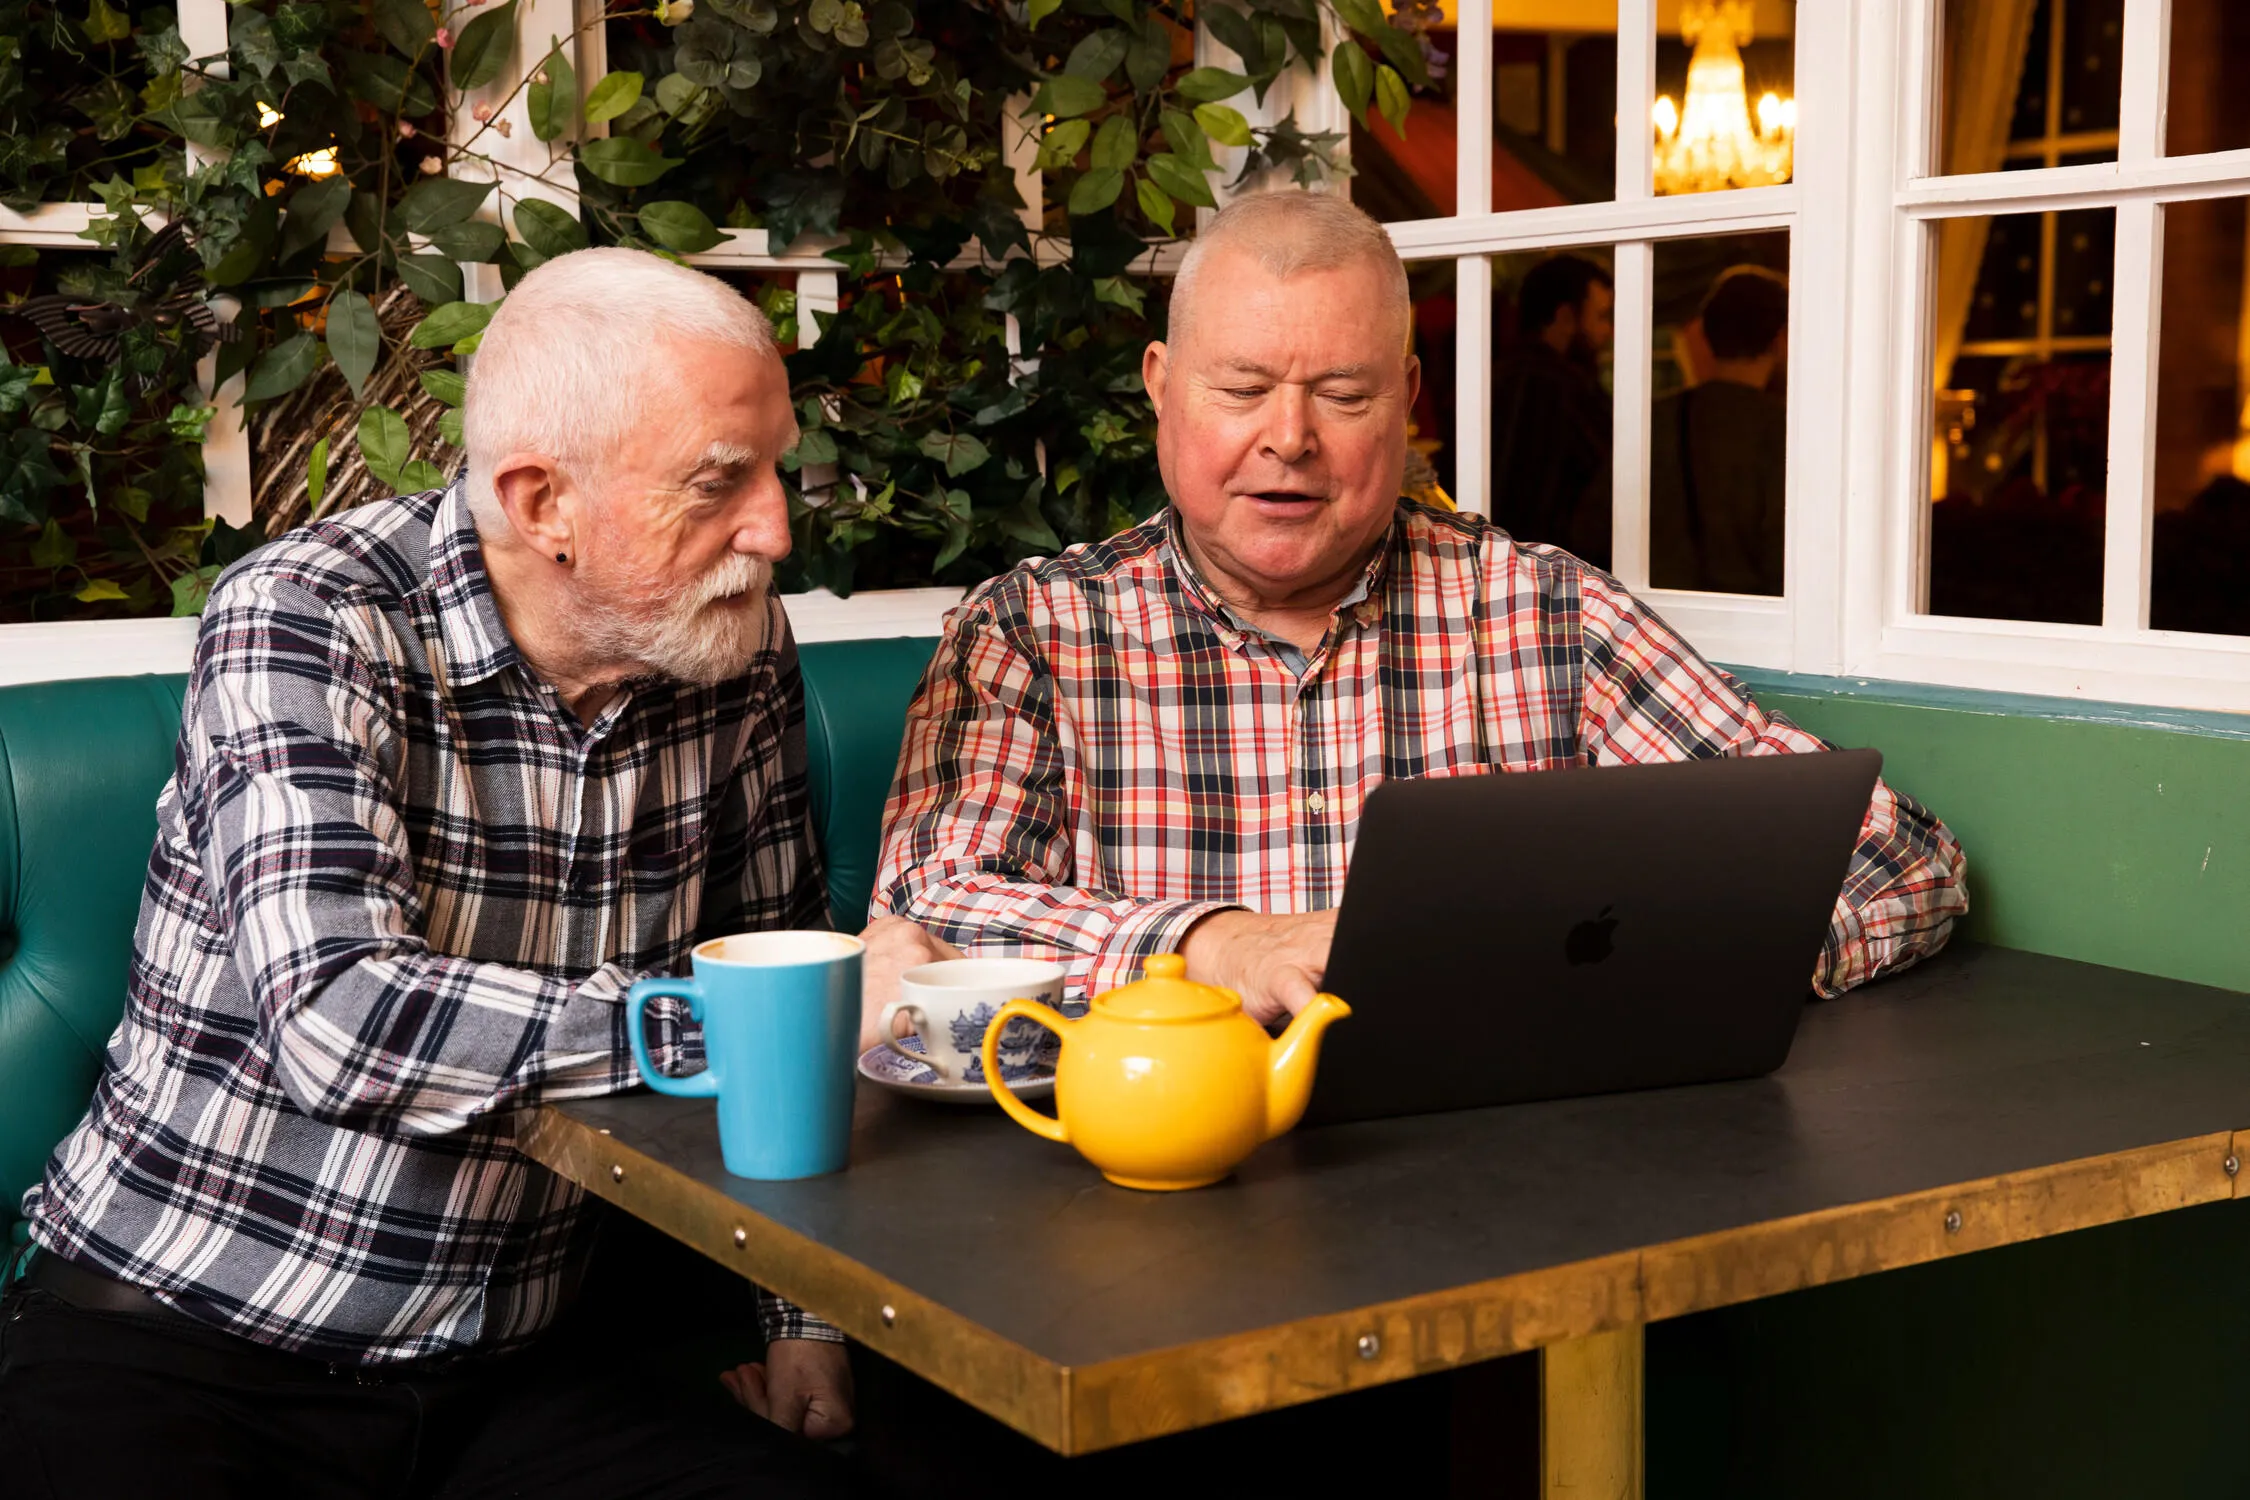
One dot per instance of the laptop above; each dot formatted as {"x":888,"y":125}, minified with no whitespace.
{"x":1555,"y":933}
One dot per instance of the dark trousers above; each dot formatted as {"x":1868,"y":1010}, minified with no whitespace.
{"x":99,"y":1404}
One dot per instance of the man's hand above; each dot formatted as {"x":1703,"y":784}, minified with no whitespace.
{"x":804,"y":1386}
{"x":1274,"y":963}
{"x":894,"y":945}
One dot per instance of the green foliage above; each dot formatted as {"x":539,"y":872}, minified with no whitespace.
{"x":968,"y":405}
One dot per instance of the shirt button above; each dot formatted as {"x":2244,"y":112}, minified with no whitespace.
{"x":1316,"y":803}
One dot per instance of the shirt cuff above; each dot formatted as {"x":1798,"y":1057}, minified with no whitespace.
{"x":786,"y":1320}
{"x":1157,"y":927}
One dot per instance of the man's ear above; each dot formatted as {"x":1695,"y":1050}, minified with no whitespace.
{"x":1413,"y":380}
{"x":530,"y":489}
{"x":1156,"y":373}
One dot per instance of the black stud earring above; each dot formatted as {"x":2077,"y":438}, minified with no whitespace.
{"x":562,"y":557}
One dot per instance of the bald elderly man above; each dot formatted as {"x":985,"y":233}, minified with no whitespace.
{"x":455,"y":769}
{"x":1162,"y":742}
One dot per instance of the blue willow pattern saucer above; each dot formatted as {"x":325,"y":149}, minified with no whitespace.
{"x":1030,"y":1077}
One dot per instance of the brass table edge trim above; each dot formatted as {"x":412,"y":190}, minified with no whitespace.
{"x":1175,"y":1389}
{"x":994,"y":1374}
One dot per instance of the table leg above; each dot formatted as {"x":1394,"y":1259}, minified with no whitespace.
{"x":1590,"y":1417}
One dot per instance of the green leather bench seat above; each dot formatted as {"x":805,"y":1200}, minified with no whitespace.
{"x":81,"y":764}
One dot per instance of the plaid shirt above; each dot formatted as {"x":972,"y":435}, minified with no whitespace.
{"x":1102,"y":754}
{"x":397,"y":895}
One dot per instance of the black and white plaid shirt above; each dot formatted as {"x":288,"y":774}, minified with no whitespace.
{"x":397,"y":896}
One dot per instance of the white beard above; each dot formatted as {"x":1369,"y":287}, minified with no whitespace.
{"x":685,"y":634}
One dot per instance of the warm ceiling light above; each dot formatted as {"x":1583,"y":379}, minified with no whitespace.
{"x":1710,"y":141}
{"x":321,"y":163}
{"x":268,"y":116}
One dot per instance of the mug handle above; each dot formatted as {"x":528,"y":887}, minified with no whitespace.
{"x":703,"y":1085}
{"x":1029,"y":1118}
{"x":914,"y":1013}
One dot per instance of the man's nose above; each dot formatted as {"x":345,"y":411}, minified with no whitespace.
{"x":1289,"y":436}
{"x":764,"y":528}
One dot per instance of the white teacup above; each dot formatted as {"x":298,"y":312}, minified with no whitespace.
{"x":952,"y":1001}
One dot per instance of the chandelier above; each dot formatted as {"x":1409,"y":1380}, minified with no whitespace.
{"x":1713,"y":142}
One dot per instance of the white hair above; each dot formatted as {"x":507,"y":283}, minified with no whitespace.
{"x":571,"y":359}
{"x":1287,"y":231}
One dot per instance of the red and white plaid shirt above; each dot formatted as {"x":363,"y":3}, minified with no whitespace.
{"x":1102,"y":753}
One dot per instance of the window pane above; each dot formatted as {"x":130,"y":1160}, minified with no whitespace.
{"x":2201,"y":576}
{"x":2028,"y":83}
{"x":1551,"y":411}
{"x":1430,"y":439}
{"x":2020,"y":456}
{"x":1726,"y":111}
{"x":1554,"y":107}
{"x":1718,"y":428}
{"x":2207,"y":109}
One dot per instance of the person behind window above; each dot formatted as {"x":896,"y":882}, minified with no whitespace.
{"x":1718,"y":450}
{"x":1550,"y":415}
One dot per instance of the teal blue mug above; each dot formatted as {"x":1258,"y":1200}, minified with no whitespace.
{"x":780,"y":1014}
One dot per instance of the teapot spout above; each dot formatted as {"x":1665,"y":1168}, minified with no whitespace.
{"x":1294,"y":1054}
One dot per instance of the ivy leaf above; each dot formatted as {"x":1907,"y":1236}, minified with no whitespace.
{"x":474,"y":240}
{"x":385,"y":82}
{"x":449,"y":324}
{"x":1114,"y":145}
{"x":1391,"y":98}
{"x":55,"y":547}
{"x":103,"y":24}
{"x":432,"y":278}
{"x":1097,"y":55}
{"x":1155,"y":203}
{"x":446,"y":385}
{"x":1223,"y":123}
{"x":624,"y":161}
{"x":553,"y":100}
{"x":1041,"y":10}
{"x":355,"y":339}
{"x":316,"y":476}
{"x":1209,"y":85}
{"x":816,"y":446}
{"x":102,"y":406}
{"x":483,"y":48}
{"x":100,"y":591}
{"x":956,"y":513}
{"x":435,"y":202}
{"x":1065,"y":96}
{"x":27,"y":472}
{"x":405,"y":24}
{"x":282,"y":368}
{"x":615,"y":94}
{"x":1182,"y":181}
{"x":548,"y":228}
{"x":679,"y":226}
{"x":1062,"y":143}
{"x":190,"y":590}
{"x":1118,"y":292}
{"x":1097,"y":190}
{"x":313,"y":211}
{"x":1187,"y":140}
{"x":958,"y":451}
{"x":1354,"y":73}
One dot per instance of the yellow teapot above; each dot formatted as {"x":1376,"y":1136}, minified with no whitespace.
{"x":1165,"y":1083}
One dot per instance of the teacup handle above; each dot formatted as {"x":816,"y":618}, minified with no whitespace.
{"x":703,"y":1085}
{"x":921,"y":1019}
{"x":1029,"y":1118}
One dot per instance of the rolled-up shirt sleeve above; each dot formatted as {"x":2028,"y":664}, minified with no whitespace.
{"x":287,"y":778}
{"x":1648,"y":697}
{"x":983,"y":842}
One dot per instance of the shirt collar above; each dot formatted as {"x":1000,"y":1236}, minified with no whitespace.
{"x":1363,"y":602}
{"x":477,"y":643}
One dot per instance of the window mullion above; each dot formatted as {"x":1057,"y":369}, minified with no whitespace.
{"x":1472,"y":274}
{"x":1635,"y":270}
{"x":2128,"y":508}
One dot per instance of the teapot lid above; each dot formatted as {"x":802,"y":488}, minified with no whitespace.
{"x":1167,"y":994}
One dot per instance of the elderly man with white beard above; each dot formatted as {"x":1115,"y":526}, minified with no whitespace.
{"x":455,"y":769}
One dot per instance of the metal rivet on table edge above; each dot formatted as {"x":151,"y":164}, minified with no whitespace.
{"x":605,"y":1130}
{"x":741,"y":1237}
{"x":890,"y":1315}
{"x":1953,"y":1221}
{"x":2232,"y":1164}
{"x":1369,"y":1346}
{"x":617,"y":1174}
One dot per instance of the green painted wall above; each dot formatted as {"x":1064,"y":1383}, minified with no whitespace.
{"x":2111,"y":836}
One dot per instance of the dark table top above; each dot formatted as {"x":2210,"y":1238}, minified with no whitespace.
{"x":1988,"y":1097}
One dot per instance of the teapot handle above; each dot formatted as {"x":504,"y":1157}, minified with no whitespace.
{"x":1029,"y":1118}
